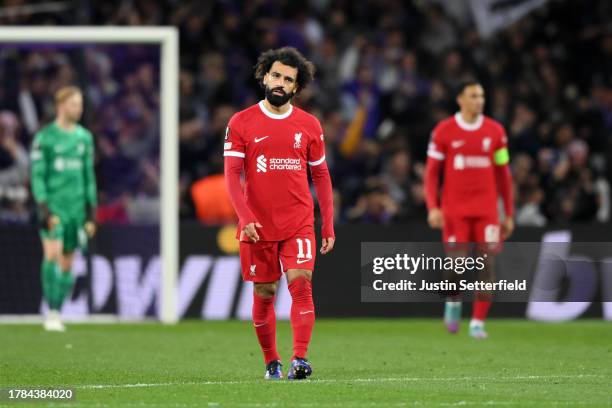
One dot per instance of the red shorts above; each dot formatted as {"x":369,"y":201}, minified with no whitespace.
{"x":265,"y":261}
{"x":484,"y":231}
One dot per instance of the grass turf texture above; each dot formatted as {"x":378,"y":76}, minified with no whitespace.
{"x":356,"y":363}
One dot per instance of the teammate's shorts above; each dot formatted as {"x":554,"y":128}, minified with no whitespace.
{"x":266,"y":261}
{"x":69,"y":231}
{"x":484,"y":231}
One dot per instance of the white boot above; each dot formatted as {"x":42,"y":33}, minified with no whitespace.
{"x":53,"y":322}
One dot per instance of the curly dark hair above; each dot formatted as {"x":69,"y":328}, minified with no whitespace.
{"x":465,"y":83}
{"x":287,"y":56}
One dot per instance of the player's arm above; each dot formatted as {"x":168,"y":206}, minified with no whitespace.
{"x":323,"y":188}
{"x":90,"y":187}
{"x":435,"y":161}
{"x":234,"y":155}
{"x":503,"y":179}
{"x":39,"y":186}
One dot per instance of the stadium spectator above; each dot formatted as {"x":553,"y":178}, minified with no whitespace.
{"x":529,"y":195}
{"x":375,"y":205}
{"x":14,"y":171}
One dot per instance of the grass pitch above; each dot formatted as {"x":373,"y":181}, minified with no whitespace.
{"x":363,"y":363}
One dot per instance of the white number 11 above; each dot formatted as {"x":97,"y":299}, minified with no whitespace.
{"x":301,"y":248}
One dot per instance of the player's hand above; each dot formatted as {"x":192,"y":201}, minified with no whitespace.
{"x":327,"y":245}
{"x":250,"y":230}
{"x":52,"y":221}
{"x":48,"y":221}
{"x":507,"y":227}
{"x":90,"y":228}
{"x":435,"y":219}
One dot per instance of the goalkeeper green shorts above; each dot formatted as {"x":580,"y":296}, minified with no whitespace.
{"x":70,"y":232}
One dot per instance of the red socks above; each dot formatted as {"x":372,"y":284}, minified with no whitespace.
{"x":302,"y":320}
{"x":264,"y":321}
{"x":482,"y":303}
{"x":302,"y":315}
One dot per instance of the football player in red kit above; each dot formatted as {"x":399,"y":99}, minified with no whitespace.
{"x":275,"y":142}
{"x":471,"y":151}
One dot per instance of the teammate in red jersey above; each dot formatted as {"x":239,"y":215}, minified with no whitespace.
{"x":472,"y":151}
{"x":275,"y":142}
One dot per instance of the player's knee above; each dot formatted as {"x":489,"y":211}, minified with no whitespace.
{"x":66,"y":262}
{"x":52,"y":252}
{"x":51,"y":256}
{"x":65,"y":266}
{"x":265,"y":290}
{"x":293,"y":274}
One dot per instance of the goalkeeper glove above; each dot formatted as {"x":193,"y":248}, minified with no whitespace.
{"x":47,"y":220}
{"x":90,"y":223}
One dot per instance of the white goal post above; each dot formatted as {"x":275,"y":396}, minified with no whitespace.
{"x":167,"y":38}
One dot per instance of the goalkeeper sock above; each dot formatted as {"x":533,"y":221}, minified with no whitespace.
{"x":48,"y":277}
{"x":264,"y":321}
{"x":66,"y":281}
{"x":302,"y":315}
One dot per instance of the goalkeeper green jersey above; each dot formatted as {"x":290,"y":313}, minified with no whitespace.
{"x":62,"y":171}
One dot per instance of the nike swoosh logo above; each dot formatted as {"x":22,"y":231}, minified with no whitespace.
{"x":308,"y":311}
{"x":457,"y":144}
{"x":258,"y":325}
{"x":257,"y":140}
{"x":303,"y":260}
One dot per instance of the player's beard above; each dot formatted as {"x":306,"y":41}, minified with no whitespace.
{"x":277,"y":100}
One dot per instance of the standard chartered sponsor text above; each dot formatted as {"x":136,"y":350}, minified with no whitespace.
{"x":284,"y":164}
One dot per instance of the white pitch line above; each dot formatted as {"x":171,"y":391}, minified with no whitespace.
{"x":348,"y":380}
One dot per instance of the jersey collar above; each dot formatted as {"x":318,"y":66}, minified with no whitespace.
{"x":275,"y":115}
{"x":469,"y":126}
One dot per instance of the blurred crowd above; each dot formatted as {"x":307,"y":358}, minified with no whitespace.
{"x":386,"y":73}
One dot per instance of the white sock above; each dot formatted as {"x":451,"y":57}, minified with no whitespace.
{"x":476,"y":322}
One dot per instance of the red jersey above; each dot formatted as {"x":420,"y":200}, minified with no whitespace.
{"x":470,"y":152}
{"x":277,"y":150}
